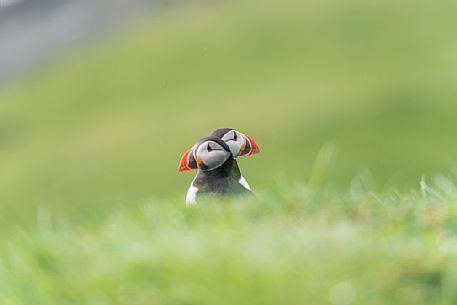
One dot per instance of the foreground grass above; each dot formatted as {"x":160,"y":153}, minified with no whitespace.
{"x":294,"y":245}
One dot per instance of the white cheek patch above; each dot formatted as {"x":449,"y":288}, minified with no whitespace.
{"x":214,"y":158}
{"x":235,"y":146}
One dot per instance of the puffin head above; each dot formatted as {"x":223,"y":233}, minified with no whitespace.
{"x":209,"y":153}
{"x":239,"y":143}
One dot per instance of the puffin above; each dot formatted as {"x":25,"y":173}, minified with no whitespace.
{"x":218,"y":172}
{"x":240,"y":145}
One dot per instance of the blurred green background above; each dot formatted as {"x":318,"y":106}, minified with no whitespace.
{"x":108,"y":123}
{"x":352,"y":103}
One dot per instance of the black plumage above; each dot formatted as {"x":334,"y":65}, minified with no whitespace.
{"x":221,"y":181}
{"x":215,"y":158}
{"x":236,"y":172}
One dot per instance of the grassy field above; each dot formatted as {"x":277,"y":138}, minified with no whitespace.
{"x":351,"y":103}
{"x":288,"y":246}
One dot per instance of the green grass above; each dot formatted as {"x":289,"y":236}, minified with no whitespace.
{"x":351,"y":103}
{"x":289,"y":246}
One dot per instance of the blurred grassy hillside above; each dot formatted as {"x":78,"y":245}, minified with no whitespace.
{"x":108,"y":123}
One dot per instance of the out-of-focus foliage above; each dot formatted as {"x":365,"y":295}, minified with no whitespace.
{"x":288,"y":246}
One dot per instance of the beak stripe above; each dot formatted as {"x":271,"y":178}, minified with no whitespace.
{"x":251,"y":147}
{"x":247,"y":148}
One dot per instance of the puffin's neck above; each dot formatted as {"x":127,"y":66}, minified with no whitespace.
{"x":236,"y":170}
{"x":229,"y":169}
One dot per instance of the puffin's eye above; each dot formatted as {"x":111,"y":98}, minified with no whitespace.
{"x":235,"y":136}
{"x":209,"y":148}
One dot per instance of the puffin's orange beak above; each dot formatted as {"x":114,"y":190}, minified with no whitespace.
{"x":250,"y":147}
{"x":188,"y":161}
